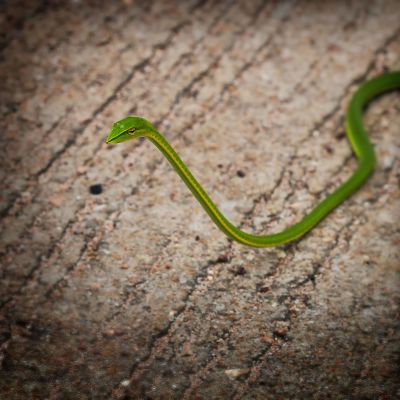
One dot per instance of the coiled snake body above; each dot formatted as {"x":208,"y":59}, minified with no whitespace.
{"x":134,"y":127}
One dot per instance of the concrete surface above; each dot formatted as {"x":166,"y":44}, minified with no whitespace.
{"x":133,"y":293}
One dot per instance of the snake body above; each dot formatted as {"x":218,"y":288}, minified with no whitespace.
{"x":134,"y":127}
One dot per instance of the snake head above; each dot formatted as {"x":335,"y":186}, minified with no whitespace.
{"x":128,"y":128}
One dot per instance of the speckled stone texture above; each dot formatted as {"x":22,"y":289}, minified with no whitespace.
{"x":114,"y":282}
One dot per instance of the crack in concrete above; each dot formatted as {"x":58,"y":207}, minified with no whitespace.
{"x":159,"y":340}
{"x":37,"y":265}
{"x":186,"y":90}
{"x":10,"y":36}
{"x":72,"y":140}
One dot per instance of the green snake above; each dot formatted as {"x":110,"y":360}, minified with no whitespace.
{"x":135,"y":127}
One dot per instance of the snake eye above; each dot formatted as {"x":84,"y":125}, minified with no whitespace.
{"x":130,"y":131}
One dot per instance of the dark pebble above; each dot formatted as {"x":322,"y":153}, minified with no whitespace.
{"x":240,"y":173}
{"x":96,"y":189}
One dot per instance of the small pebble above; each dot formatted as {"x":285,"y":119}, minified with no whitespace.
{"x":236,"y":373}
{"x":96,"y":189}
{"x":240,"y":173}
{"x":387,"y":162}
{"x":315,"y":133}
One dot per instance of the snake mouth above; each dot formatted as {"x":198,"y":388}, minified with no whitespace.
{"x":116,"y":137}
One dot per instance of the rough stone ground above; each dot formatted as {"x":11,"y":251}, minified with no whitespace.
{"x":133,"y":293}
